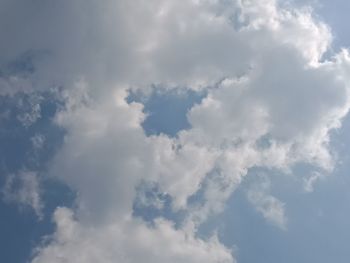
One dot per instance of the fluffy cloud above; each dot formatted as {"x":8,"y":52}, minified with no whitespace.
{"x":272,"y":99}
{"x":127,"y":241}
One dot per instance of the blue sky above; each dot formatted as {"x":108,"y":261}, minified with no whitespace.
{"x":175,"y":136}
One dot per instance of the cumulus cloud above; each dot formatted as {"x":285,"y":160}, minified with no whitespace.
{"x":272,"y":97}
{"x":127,"y":241}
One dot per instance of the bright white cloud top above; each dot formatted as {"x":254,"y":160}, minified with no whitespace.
{"x":274,"y":92}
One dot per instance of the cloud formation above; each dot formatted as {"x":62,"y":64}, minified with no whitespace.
{"x":24,"y":189}
{"x":268,"y":205}
{"x":127,"y":242}
{"x":273,"y":96}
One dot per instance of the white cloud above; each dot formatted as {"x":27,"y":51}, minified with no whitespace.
{"x":269,"y":206}
{"x":127,"y":241}
{"x":309,"y":182}
{"x":273,"y":104}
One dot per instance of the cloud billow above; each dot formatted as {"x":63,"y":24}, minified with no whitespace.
{"x":262,"y":67}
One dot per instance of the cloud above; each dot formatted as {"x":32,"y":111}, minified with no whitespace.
{"x":127,"y":241}
{"x":269,"y":206}
{"x":272,"y":99}
{"x":309,"y":182}
{"x":30,"y":110}
{"x":23,"y":189}
{"x":38,"y":141}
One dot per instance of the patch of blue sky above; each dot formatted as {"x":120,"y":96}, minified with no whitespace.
{"x":317,"y":225}
{"x":317,"y":229}
{"x":20,"y":228}
{"x":166,"y":109}
{"x":19,"y":124}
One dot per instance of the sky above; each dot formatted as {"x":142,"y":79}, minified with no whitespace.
{"x":212,"y":131}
